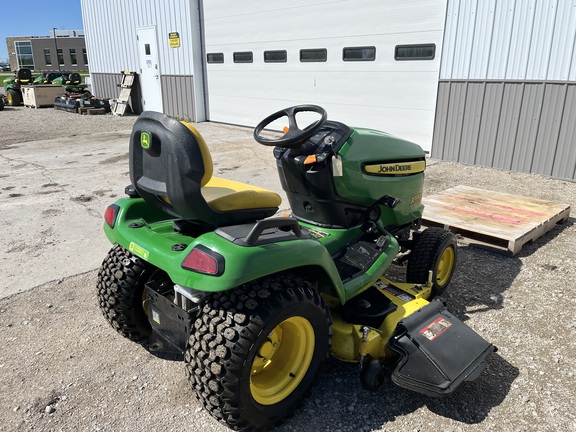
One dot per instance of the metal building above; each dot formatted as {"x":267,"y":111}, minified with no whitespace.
{"x":507,"y":90}
{"x":369,"y":63}
{"x":161,"y":40}
{"x":485,"y":82}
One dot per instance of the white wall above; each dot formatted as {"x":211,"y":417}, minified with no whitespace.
{"x":110,"y":34}
{"x":510,"y":40}
{"x":398,"y":97}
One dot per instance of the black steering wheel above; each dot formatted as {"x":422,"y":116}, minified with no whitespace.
{"x":295,"y":136}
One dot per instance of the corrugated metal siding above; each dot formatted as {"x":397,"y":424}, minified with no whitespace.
{"x":565,"y":155}
{"x":107,"y":84}
{"x":510,"y":39}
{"x":521,"y":126}
{"x":178,"y":102}
{"x":110,"y":28}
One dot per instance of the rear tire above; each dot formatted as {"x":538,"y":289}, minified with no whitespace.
{"x":121,"y":281}
{"x":14,"y":97}
{"x":255,"y":351}
{"x":434,"y":249}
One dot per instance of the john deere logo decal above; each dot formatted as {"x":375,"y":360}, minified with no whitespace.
{"x":401,"y":168}
{"x":145,"y":140}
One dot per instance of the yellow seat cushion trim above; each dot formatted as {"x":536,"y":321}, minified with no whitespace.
{"x":206,"y":158}
{"x":228,"y":195}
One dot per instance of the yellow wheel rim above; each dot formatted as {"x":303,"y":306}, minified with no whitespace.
{"x":445,"y":266}
{"x":282,"y":361}
{"x":9,"y":97}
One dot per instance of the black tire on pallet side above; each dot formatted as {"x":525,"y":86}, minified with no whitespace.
{"x":429,"y":246}
{"x":121,"y":281}
{"x":227,"y":335}
{"x":14,"y":97}
{"x":1,"y":102}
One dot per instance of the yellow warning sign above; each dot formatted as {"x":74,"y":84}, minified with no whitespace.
{"x":174,"y":39}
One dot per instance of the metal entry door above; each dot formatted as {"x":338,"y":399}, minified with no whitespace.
{"x":149,"y":69}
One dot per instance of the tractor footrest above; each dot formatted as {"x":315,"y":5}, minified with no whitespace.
{"x":171,"y":324}
{"x":437,"y":351}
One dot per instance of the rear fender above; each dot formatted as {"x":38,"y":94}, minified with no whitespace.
{"x":148,"y":233}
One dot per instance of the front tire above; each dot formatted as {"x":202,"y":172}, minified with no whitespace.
{"x":434,"y":249}
{"x":255,"y":351}
{"x":14,"y":97}
{"x":121,"y":293}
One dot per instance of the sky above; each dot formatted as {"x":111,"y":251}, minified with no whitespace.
{"x":38,"y":18}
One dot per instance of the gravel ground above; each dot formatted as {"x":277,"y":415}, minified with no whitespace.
{"x":64,"y":368}
{"x":20,"y":124}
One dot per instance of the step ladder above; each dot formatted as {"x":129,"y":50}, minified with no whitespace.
{"x":119,"y":105}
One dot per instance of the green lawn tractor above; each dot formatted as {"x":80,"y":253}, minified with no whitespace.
{"x":202,"y":270}
{"x":72,"y":82}
{"x":12,"y":85}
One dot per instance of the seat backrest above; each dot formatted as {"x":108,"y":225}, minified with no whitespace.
{"x":74,"y":78}
{"x":24,"y":75}
{"x":169,"y":164}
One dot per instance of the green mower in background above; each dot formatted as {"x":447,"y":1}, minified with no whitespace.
{"x":202,"y":270}
{"x":72,"y":82}
{"x":12,"y":86}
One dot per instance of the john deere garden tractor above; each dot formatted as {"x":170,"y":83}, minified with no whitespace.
{"x":203,"y":270}
{"x":12,"y":86}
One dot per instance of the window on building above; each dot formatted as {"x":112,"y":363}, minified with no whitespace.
{"x":359,"y":54}
{"x":24,"y":55}
{"x":73,"y":56}
{"x":60,"y":54}
{"x":313,"y":55}
{"x":147,"y":49}
{"x":415,"y":52}
{"x":275,"y":56}
{"x":47,"y":57}
{"x":215,"y":57}
{"x":243,"y":57}
{"x":85,"y":55}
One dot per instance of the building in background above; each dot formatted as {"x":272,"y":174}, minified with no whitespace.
{"x":61,"y":50}
{"x":485,"y":82}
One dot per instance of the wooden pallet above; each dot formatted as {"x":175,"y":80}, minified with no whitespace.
{"x":494,"y":220}
{"x":119,"y":105}
{"x":91,"y":111}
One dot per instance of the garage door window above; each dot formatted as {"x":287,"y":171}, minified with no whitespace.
{"x":275,"y":56}
{"x":415,"y":52}
{"x":313,"y":55}
{"x":215,"y":57}
{"x":359,"y":54}
{"x":243,"y":57}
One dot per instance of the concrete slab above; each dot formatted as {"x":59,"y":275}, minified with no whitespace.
{"x":53,"y":194}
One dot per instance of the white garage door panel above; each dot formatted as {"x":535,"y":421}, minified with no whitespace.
{"x":411,"y":124}
{"x":255,"y":21}
{"x":395,"y":91}
{"x":384,"y":94}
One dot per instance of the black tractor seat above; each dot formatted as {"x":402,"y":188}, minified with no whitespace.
{"x":171,"y":168}
{"x":23,"y":76}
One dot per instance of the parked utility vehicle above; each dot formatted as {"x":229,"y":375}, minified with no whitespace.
{"x":253,"y":303}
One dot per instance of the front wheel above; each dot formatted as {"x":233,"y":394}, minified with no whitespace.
{"x":434,"y":249}
{"x":255,"y":351}
{"x":14,"y":97}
